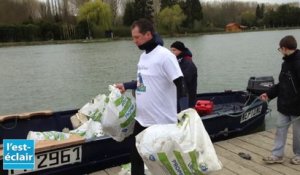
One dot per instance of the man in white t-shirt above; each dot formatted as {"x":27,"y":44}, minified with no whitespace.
{"x":159,"y":81}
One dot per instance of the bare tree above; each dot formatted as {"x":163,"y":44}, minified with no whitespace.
{"x":218,"y":14}
{"x":17,"y":11}
{"x":117,"y":10}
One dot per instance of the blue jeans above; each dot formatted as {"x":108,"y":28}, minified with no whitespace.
{"x":281,"y":135}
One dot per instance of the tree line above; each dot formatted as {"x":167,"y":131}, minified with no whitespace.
{"x":251,"y":14}
{"x":34,"y":20}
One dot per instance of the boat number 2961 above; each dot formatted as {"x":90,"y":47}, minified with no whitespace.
{"x":53,"y":159}
{"x":250,"y":114}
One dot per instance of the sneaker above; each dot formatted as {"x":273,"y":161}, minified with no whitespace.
{"x":295,"y":160}
{"x":273,"y":159}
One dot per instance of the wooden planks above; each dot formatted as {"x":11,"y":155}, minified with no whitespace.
{"x":258,"y":145}
{"x":46,"y":145}
{"x":50,"y":144}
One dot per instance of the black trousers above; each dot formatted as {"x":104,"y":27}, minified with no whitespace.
{"x":137,"y":163}
{"x":192,"y":91}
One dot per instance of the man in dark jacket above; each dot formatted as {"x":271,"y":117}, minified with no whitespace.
{"x":188,"y":68}
{"x":288,"y":92}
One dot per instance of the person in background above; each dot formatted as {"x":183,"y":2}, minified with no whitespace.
{"x":158,"y":78}
{"x":188,"y":68}
{"x":288,"y":103}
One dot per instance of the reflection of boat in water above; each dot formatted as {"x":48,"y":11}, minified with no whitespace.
{"x":233,"y":112}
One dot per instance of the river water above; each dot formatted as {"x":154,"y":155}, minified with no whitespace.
{"x":66,"y":76}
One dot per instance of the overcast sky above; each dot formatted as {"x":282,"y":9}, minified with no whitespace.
{"x":264,"y":1}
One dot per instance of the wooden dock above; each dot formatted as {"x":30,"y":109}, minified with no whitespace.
{"x":257,"y":145}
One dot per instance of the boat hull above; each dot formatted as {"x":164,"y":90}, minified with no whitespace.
{"x":235,"y":112}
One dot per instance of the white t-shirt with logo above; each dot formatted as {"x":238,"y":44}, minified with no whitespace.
{"x":156,"y":95}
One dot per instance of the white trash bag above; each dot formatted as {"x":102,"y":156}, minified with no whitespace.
{"x":47,"y":135}
{"x":118,"y":117}
{"x":177,"y":149}
{"x":95,"y":108}
{"x":126,"y":170}
{"x":89,"y":130}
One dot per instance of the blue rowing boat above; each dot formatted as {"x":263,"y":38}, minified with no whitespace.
{"x":233,"y":112}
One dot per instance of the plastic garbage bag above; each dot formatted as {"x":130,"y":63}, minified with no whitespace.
{"x":95,"y":108}
{"x":177,"y":149}
{"x":126,"y":170}
{"x":49,"y":135}
{"x":118,"y":117}
{"x":89,"y":130}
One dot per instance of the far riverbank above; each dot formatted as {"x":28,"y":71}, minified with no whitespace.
{"x":98,"y":40}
